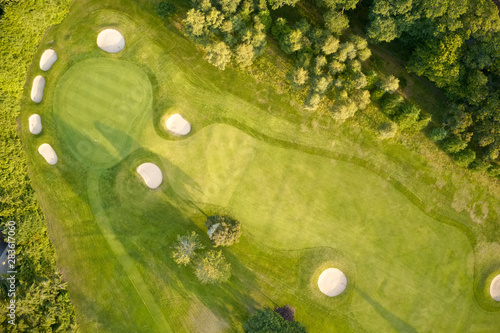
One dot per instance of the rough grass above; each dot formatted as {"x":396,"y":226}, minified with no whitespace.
{"x":310,"y":194}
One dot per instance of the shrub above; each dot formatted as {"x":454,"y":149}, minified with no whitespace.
{"x":223,"y":230}
{"x":377,"y":94}
{"x":389,"y":84}
{"x":387,"y":130}
{"x":408,"y":116}
{"x":390,"y":103}
{"x":165,"y":9}
{"x":453,"y":145}
{"x":212,"y":267}
{"x":464,"y":157}
{"x":266,"y":320}
{"x":437,"y":134}
{"x":185,"y":248}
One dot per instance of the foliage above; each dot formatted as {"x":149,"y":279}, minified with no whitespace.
{"x":42,"y":300}
{"x":184,"y":250}
{"x":387,"y":130}
{"x":390,"y":103}
{"x":223,"y":230}
{"x":453,"y":145}
{"x":464,"y":157}
{"x":266,"y":320}
{"x":165,"y":9}
{"x":389,"y":84}
{"x":212,"y":267}
{"x":229,"y":30}
{"x":286,"y":312}
{"x":437,"y":134}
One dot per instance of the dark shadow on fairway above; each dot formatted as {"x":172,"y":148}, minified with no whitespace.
{"x":395,"y":321}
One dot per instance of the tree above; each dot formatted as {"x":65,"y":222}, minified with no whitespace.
{"x":165,"y":9}
{"x":330,"y":45}
{"x":390,"y":103}
{"x":219,"y":54}
{"x":464,"y":157}
{"x":408,"y":116}
{"x":195,"y":23}
{"x":383,"y":29}
{"x":185,"y":248}
{"x":364,"y":54}
{"x":292,"y":41}
{"x":336,"y":22}
{"x":266,"y":320}
{"x":437,"y":134}
{"x":389,"y":84}
{"x":300,"y":76}
{"x":453,"y":145}
{"x":343,"y":110}
{"x":212,"y":267}
{"x":387,"y":130}
{"x":286,"y":312}
{"x":223,"y":230}
{"x":244,"y":55}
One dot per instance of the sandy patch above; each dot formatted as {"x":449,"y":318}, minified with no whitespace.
{"x":332,"y":282}
{"x":48,"y":153}
{"x":151,"y":174}
{"x":111,"y":41}
{"x":35,"y":124}
{"x":48,"y":58}
{"x":495,"y":288}
{"x":37,"y":89}
{"x":178,"y":125}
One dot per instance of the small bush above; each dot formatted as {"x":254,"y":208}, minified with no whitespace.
{"x":223,"y":230}
{"x":464,"y":157}
{"x":390,"y":103}
{"x":165,"y":9}
{"x":377,"y":94}
{"x":438,"y":134}
{"x":453,"y":145}
{"x":387,"y":130}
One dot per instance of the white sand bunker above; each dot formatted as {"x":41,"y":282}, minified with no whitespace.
{"x":37,"y":89}
{"x":48,"y":58}
{"x":332,"y":282}
{"x":48,"y":153}
{"x":35,"y":124}
{"x":111,"y":41}
{"x":151,"y":174}
{"x":495,"y":288}
{"x":178,"y":125}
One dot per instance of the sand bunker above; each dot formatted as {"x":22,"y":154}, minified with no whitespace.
{"x":35,"y":124}
{"x":332,"y":282}
{"x":48,"y":153}
{"x":495,"y":288}
{"x":111,"y":41}
{"x":151,"y":174}
{"x":178,"y":125}
{"x":37,"y":89}
{"x":48,"y":58}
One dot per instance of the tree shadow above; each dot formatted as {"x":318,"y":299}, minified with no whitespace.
{"x":396,"y":322}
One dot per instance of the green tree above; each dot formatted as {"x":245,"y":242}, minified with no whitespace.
{"x":389,"y":83}
{"x":165,"y":9}
{"x":266,"y":321}
{"x":212,"y":267}
{"x":438,"y":134}
{"x":383,"y":29}
{"x":195,"y":23}
{"x":184,"y":249}
{"x":336,"y":22}
{"x":300,"y":76}
{"x":244,"y":55}
{"x":453,"y":145}
{"x":223,"y":230}
{"x":292,"y":41}
{"x":390,"y":103}
{"x":218,"y":54}
{"x":344,"y":109}
{"x":464,"y":158}
{"x":330,"y":45}
{"x":387,"y":130}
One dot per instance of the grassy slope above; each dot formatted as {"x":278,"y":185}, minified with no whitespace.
{"x":208,"y":175}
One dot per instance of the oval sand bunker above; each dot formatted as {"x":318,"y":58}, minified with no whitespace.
{"x":48,"y":58}
{"x":35,"y":124}
{"x":151,"y":174}
{"x":332,"y":282}
{"x":48,"y":153}
{"x":111,"y":41}
{"x":37,"y":89}
{"x":178,"y":125}
{"x":495,"y":288}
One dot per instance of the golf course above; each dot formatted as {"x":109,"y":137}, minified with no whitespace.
{"x":145,"y":139}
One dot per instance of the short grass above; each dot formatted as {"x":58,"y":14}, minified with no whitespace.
{"x":412,"y":237}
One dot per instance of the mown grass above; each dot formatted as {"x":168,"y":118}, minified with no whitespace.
{"x":310,"y":193}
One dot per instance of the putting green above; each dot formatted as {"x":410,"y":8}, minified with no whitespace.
{"x":97,"y":104}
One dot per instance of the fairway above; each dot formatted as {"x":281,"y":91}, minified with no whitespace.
{"x":99,"y":105}
{"x":310,"y":194}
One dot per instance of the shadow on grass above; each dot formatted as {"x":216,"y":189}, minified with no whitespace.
{"x":396,"y":322}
